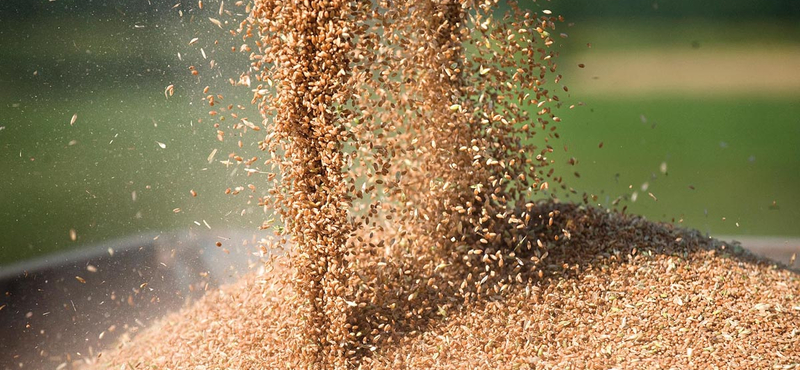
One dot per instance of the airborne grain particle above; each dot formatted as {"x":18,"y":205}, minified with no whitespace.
{"x":73,"y":119}
{"x":73,"y":235}
{"x":80,"y":279}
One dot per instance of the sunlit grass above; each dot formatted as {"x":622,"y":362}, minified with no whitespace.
{"x":726,"y":158}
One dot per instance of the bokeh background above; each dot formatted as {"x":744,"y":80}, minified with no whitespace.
{"x":696,"y":104}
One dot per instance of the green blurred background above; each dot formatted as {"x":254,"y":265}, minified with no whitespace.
{"x":697,"y":103}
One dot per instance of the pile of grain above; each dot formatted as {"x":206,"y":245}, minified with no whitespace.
{"x":619,"y":292}
{"x":403,"y":167}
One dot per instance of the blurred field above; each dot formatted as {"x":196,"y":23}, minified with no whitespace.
{"x":717,"y":103}
{"x":727,"y":159}
{"x":663,"y":94}
{"x":722,"y":71}
{"x":107,"y":176}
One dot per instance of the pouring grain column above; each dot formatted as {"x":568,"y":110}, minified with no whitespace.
{"x":312,"y":66}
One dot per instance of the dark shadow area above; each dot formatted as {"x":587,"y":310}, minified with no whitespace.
{"x":67,"y":308}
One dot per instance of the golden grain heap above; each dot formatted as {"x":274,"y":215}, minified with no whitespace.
{"x":621,"y":292}
{"x":408,"y":141}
